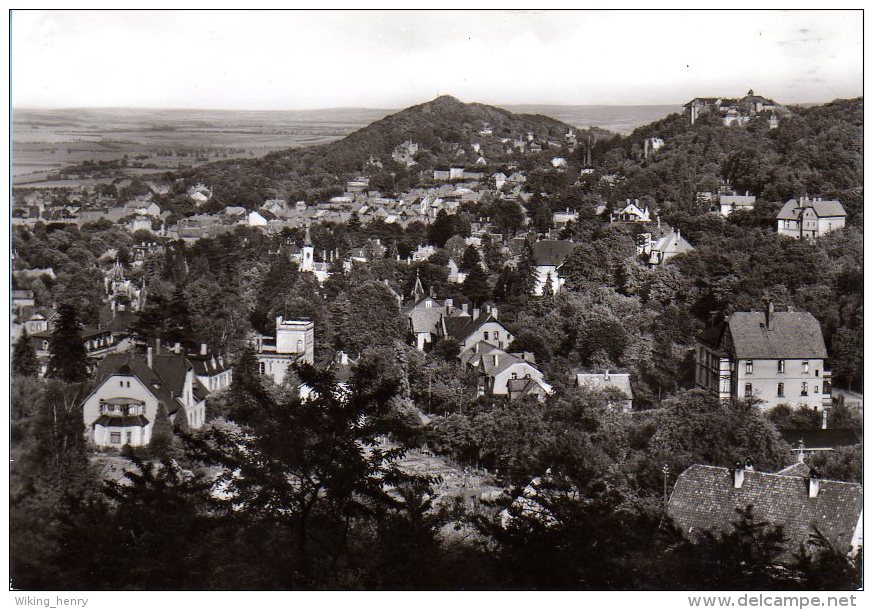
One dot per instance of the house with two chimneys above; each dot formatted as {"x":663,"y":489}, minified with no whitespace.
{"x":631,"y":212}
{"x":122,"y":407}
{"x":707,"y":499}
{"x":806,"y":218}
{"x":728,"y":203}
{"x":618,"y":384}
{"x":500,"y":373}
{"x":777,"y":357}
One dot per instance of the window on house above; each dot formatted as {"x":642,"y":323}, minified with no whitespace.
{"x":815,"y":389}
{"x":781,"y":366}
{"x":804,"y":389}
{"x":485,"y":334}
{"x":826,"y":387}
{"x":780,"y":390}
{"x":115,"y":437}
{"x":816,"y":372}
{"x":748,"y":390}
{"x":261,"y":366}
{"x":749,"y":366}
{"x":496,"y":335}
{"x":128,"y":437}
{"x":806,"y":367}
{"x":120,"y":383}
{"x":515,"y":375}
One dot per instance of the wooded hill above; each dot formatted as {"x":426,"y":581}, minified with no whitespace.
{"x":816,"y":151}
{"x":444,"y":130}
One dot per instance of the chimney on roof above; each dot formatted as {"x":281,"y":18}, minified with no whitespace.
{"x":449,"y":304}
{"x":475,"y":313}
{"x":150,"y":359}
{"x":749,"y":465}
{"x":768,"y":315}
{"x":494,"y":312}
{"x":606,"y":375}
{"x":495,"y":355}
{"x":739,"y":475}
{"x":177,"y":348}
{"x":464,"y":307}
{"x":475,"y":348}
{"x":202,"y":349}
{"x":814,"y":483}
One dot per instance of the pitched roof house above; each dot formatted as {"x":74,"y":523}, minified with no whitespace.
{"x":706,"y":498}
{"x":123,"y":404}
{"x":549,"y":255}
{"x":810,"y":218}
{"x":501,"y":373}
{"x":606,"y":381}
{"x":775,"y":356}
{"x":659,"y":247}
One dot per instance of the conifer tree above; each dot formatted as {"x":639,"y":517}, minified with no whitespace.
{"x":476,"y":286}
{"x":162,"y":432}
{"x":24,"y":363}
{"x":67,"y":357}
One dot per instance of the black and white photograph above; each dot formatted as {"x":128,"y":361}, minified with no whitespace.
{"x":449,"y":300}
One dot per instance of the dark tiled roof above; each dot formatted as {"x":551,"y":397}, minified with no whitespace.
{"x":165,"y":381}
{"x":798,"y":469}
{"x":552,"y":253}
{"x":795,"y":334}
{"x":816,"y":438}
{"x":704,"y":498}
{"x":522,"y":386}
{"x":461,"y":327}
{"x":712,"y":336}
{"x":122,"y":321}
{"x":823,"y":209}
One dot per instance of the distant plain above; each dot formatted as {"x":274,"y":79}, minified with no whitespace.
{"x":155,"y":141}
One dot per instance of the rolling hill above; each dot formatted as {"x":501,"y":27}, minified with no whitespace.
{"x":445,"y":130}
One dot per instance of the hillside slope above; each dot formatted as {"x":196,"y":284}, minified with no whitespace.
{"x":816,"y":151}
{"x":444,"y":129}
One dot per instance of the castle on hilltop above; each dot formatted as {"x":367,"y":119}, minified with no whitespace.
{"x":737,"y":112}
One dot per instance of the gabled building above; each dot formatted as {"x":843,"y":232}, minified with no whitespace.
{"x":503,"y":374}
{"x":807,"y":218}
{"x":659,"y":247}
{"x":631,"y":212}
{"x":728,"y":203}
{"x":707,"y":498}
{"x":549,"y":256}
{"x":777,"y":357}
{"x":481,"y":327}
{"x":608,"y":381}
{"x":123,"y":404}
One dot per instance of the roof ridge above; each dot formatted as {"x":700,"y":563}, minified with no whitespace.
{"x":769,"y":474}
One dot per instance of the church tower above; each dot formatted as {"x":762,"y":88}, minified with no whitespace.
{"x":307,"y":262}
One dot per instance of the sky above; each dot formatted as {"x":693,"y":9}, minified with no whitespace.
{"x":273,"y":60}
